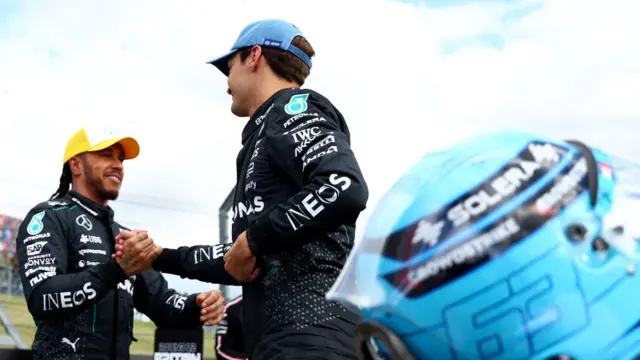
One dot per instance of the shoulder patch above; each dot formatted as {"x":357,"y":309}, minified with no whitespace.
{"x":35,"y":225}
{"x":297,"y":104}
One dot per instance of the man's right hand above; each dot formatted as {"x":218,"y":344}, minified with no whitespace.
{"x":135,"y":251}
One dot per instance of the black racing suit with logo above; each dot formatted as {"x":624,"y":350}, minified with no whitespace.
{"x":228,"y":339}
{"x":80,"y":298}
{"x":298,"y":195}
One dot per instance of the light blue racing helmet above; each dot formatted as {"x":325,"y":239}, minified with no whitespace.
{"x":506,"y":246}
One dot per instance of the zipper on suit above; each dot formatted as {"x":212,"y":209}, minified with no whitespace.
{"x":116,"y":298}
{"x":114,"y":345}
{"x":95,"y":314}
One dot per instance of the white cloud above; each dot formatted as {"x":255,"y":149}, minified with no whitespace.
{"x":570,"y":69}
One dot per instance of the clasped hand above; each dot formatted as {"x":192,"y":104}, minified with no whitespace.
{"x":240,"y":262}
{"x":135,"y":251}
{"x":212,"y":307}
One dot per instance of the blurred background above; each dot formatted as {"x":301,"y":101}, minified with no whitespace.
{"x":409,"y":76}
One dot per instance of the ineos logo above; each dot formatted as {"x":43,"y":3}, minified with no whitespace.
{"x":84,"y":221}
{"x":328,"y":194}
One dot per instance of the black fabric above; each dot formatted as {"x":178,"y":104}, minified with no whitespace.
{"x":228,"y":340}
{"x":81,"y":300}
{"x":298,"y":195}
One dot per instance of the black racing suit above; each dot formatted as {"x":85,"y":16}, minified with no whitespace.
{"x":81,"y":300}
{"x":299,"y":192}
{"x":228,"y":339}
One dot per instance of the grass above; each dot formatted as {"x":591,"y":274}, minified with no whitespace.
{"x":143,"y":331}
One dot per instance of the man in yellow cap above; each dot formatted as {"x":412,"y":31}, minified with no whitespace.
{"x":102,"y":172}
{"x":81,"y":298}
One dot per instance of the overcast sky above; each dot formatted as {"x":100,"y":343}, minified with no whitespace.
{"x":409,"y":76}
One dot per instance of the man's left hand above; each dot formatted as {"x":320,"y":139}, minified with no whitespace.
{"x":239,"y":262}
{"x":212,"y":305}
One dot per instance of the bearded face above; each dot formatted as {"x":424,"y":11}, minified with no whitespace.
{"x":102,"y":172}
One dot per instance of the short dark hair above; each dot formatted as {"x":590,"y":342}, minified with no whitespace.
{"x":284,"y":63}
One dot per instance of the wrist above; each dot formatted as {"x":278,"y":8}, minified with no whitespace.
{"x":192,"y":302}
{"x":166,"y":260}
{"x":124,"y":269}
{"x":112,"y":272}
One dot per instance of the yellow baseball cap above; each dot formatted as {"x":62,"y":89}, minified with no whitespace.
{"x":89,"y":140}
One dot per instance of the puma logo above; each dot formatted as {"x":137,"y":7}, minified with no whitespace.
{"x":68,"y":342}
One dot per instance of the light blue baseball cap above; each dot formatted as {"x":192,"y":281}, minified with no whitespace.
{"x":272,"y":32}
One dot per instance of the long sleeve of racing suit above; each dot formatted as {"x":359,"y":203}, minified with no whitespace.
{"x":317,"y":154}
{"x":164,"y":306}
{"x":42,"y":255}
{"x":201,"y":262}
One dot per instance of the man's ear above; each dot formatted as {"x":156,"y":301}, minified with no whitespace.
{"x":254,"y":57}
{"x":75,"y":165}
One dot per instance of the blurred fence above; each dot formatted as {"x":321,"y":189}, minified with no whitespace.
{"x":10,"y":281}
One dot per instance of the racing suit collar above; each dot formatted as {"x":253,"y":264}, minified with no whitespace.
{"x":256,"y":120}
{"x":95,"y":209}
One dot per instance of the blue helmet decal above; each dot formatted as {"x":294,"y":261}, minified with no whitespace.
{"x":493,"y":249}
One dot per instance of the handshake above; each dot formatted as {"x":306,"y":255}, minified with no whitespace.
{"x":135,"y":251}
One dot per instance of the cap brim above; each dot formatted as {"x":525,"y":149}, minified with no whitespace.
{"x":129,"y":145}
{"x":221,"y":62}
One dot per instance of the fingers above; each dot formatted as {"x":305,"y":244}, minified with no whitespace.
{"x":146,"y":255}
{"x":133,"y":240}
{"x":214,"y":320}
{"x":212,"y":308}
{"x":153,"y":254}
{"x":137,"y":247}
{"x":125,"y":234}
{"x":137,"y":243}
{"x":243,"y":270}
{"x":210,"y":298}
{"x":254,"y":275}
{"x":141,"y":237}
{"x":140,"y":247}
{"x":119,"y":248}
{"x":200,"y":298}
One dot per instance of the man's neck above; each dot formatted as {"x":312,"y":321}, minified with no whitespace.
{"x":267,"y":90}
{"x":84,"y":191}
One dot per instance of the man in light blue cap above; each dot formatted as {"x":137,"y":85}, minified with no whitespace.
{"x":270,"y":33}
{"x":298,"y":195}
